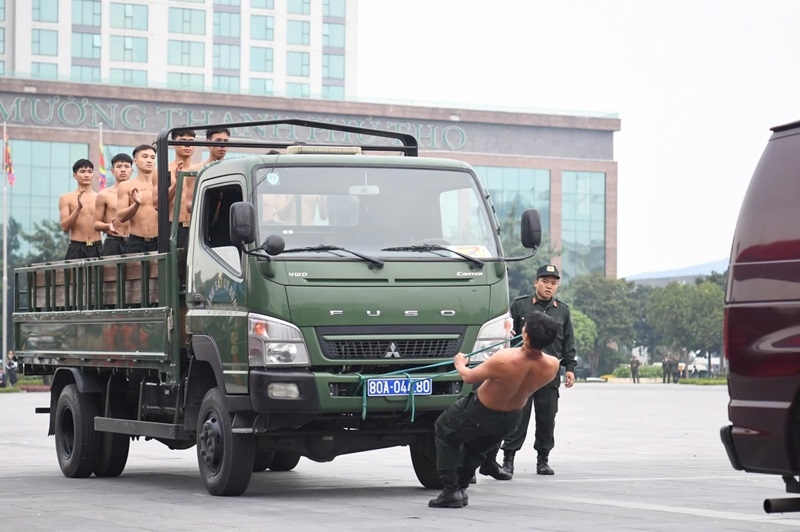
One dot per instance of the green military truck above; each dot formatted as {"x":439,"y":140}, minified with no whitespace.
{"x":315,"y":282}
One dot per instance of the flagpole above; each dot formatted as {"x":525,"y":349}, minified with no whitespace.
{"x":5,"y":243}
{"x":100,"y":146}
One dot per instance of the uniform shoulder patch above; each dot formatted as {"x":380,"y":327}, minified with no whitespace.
{"x":562,"y":303}
{"x":520,"y":298}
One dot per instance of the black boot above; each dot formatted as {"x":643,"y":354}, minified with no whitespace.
{"x":542,"y":468}
{"x":464,"y":497}
{"x":508,"y":462}
{"x":450,"y":497}
{"x":491,"y":468}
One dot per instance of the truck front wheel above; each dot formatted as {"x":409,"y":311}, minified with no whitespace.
{"x":423,"y":458}
{"x":225,"y":458}
{"x":77,"y":442}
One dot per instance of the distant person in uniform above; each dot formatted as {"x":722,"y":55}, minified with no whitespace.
{"x":76,"y":210}
{"x":635,"y":369}
{"x":11,"y":368}
{"x":666,"y":370}
{"x":471,"y":427}
{"x":676,"y":370}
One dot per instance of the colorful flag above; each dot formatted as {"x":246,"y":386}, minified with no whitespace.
{"x":7,"y":164}
{"x":102,"y":167}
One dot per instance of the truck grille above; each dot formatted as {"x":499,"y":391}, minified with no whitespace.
{"x":388,"y":349}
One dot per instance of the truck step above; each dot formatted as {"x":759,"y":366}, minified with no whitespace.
{"x":152,"y":429}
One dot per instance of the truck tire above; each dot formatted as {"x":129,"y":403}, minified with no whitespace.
{"x":113,"y":453}
{"x":225,"y":458}
{"x":76,"y":440}
{"x":423,"y":458}
{"x":284,"y":461}
{"x":263,"y":460}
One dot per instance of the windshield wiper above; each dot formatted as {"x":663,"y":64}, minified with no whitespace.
{"x":374,"y":263}
{"x":437,"y":247}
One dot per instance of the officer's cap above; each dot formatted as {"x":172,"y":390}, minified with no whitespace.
{"x":548,"y":270}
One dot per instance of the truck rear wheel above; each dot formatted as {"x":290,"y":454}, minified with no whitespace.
{"x":423,"y":458}
{"x":263,"y":460}
{"x":225,"y":458}
{"x":113,"y":453}
{"x":76,"y":440}
{"x":284,"y":461}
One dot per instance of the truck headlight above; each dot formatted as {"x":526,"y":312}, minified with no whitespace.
{"x":274,"y":342}
{"x":492,"y":332}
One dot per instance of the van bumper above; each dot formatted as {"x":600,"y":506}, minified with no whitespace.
{"x":726,"y":435}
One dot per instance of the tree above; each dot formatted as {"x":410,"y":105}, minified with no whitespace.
{"x":608,"y":303}
{"x":47,"y":242}
{"x":585,"y":331}
{"x":645,"y":334}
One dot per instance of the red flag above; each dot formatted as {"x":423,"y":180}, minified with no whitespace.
{"x":7,"y":164}
{"x":102,"y":167}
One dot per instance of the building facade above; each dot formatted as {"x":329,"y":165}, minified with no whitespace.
{"x":561,"y":165}
{"x":293,"y":48}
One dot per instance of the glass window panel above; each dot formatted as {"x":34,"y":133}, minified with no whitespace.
{"x":44,"y":42}
{"x":298,"y":90}
{"x":188,"y":21}
{"x":261,"y":59}
{"x":261,"y":86}
{"x":125,"y":76}
{"x":128,"y":16}
{"x":297,"y":64}
{"x":86,"y":12}
{"x":45,"y":10}
{"x":226,"y":24}
{"x":86,"y":45}
{"x":263,"y":4}
{"x":228,"y":2}
{"x":225,"y":84}
{"x":226,"y":56}
{"x":333,"y":92}
{"x":182,"y":80}
{"x":333,"y":35}
{"x":334,"y":8}
{"x":298,"y":7}
{"x":85,"y":74}
{"x":44,"y":70}
{"x":2,"y":40}
{"x":333,"y":66}
{"x":298,"y":32}
{"x":262,"y":28}
{"x":2,"y":9}
{"x":186,"y":53}
{"x":132,"y":49}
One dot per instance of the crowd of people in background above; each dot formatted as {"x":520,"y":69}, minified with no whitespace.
{"x":8,"y":371}
{"x":126,"y":213}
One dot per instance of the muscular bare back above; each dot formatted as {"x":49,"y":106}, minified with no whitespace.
{"x":519,"y":373}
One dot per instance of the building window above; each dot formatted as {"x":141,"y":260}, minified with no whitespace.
{"x":297,"y":64}
{"x":260,"y":86}
{"x":583,"y":223}
{"x":333,"y":35}
{"x":186,"y":53}
{"x":298,"y":90}
{"x":262,"y":28}
{"x":126,"y":76}
{"x":226,"y":24}
{"x":188,"y":21}
{"x":86,"y":45}
{"x":225,"y":84}
{"x":226,"y":56}
{"x":334,"y":8}
{"x":2,"y":9}
{"x":2,"y":40}
{"x":333,"y":66}
{"x":298,"y":32}
{"x":41,"y":178}
{"x":513,"y":190}
{"x":44,"y":70}
{"x":298,"y":7}
{"x":263,"y":4}
{"x":86,"y":12}
{"x":227,"y":2}
{"x":85,"y":74}
{"x":333,"y":92}
{"x":182,"y":80}
{"x":128,"y":16}
{"x":2,"y":68}
{"x":132,"y":49}
{"x":261,"y":59}
{"x":45,"y":10}
{"x":44,"y":42}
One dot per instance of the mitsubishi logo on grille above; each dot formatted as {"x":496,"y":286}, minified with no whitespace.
{"x":392,"y":352}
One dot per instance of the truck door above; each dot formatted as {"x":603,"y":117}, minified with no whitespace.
{"x":216,"y":295}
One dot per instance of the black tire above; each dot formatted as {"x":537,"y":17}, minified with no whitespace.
{"x":263,"y":460}
{"x":423,"y":458}
{"x":284,"y":461}
{"x":77,"y":443}
{"x":225,"y":459}
{"x":113,"y":453}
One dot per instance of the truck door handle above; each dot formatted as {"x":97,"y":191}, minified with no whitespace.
{"x":198,"y":301}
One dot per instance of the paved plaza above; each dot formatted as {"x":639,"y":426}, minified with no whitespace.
{"x":627,"y":457}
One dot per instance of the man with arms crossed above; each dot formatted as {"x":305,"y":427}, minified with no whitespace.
{"x":473,"y":425}
{"x":135,"y":203}
{"x":182,"y":161}
{"x":76,"y":210}
{"x":105,"y":209}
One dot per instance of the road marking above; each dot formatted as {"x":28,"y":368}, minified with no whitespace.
{"x":658,"y":479}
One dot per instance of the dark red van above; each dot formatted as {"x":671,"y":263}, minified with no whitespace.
{"x":762,"y":319}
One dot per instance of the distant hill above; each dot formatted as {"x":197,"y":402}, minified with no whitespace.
{"x":688,"y":272}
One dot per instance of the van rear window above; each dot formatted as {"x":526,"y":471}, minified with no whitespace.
{"x":769,"y":221}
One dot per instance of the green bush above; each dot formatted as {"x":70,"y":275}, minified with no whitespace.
{"x":714,"y":381}
{"x":645,"y":372}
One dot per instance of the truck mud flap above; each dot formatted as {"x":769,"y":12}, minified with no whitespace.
{"x":725,"y":433}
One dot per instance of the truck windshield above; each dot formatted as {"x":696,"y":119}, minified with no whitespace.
{"x":369,"y":209}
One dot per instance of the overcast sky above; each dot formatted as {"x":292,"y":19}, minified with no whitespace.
{"x":696,"y":83}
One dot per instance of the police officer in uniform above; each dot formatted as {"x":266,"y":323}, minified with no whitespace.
{"x":544,"y":402}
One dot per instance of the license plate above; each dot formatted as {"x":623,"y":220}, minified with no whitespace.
{"x":390,"y":387}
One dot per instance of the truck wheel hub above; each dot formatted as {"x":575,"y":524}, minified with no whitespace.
{"x":210,"y":441}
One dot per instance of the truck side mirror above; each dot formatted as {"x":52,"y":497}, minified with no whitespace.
{"x":530,"y":229}
{"x":242,"y":223}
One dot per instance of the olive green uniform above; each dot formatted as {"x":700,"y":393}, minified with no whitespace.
{"x":545,"y":400}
